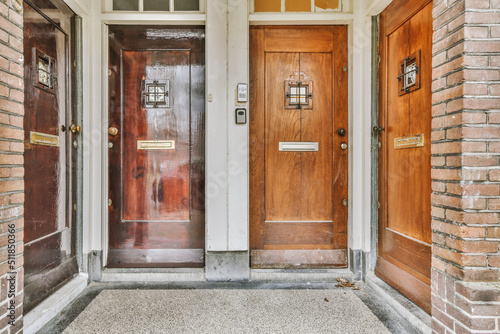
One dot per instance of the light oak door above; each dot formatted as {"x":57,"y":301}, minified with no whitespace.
{"x":404,"y":249}
{"x":156,"y":147}
{"x":298,"y":147}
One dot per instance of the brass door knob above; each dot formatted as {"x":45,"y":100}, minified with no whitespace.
{"x":75,"y":128}
{"x":113,"y":131}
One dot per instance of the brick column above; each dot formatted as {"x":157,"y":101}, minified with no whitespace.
{"x":11,"y":167}
{"x":466,"y":166}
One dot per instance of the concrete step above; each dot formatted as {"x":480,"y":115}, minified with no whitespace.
{"x":153,"y":275}
{"x":300,"y":275}
{"x":417,"y":317}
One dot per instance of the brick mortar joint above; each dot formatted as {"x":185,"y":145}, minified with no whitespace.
{"x":13,"y":74}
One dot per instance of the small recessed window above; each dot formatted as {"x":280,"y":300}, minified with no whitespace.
{"x":155,"y":94}
{"x":409,"y":74}
{"x":298,"y":94}
{"x":44,"y":71}
{"x":130,"y":5}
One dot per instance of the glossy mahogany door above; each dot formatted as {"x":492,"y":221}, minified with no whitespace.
{"x":404,"y":248}
{"x":49,"y":233}
{"x":156,"y":147}
{"x":298,"y":199}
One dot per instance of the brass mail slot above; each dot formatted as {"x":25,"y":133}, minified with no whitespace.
{"x":409,"y":141}
{"x":38,"y":138}
{"x":156,"y":144}
{"x":299,"y":146}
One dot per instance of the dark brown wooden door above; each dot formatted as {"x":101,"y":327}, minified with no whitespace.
{"x":404,"y":250}
{"x":156,"y":147}
{"x":298,"y":147}
{"x":49,"y":233}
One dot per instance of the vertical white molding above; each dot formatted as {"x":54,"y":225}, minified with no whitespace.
{"x":82,"y":9}
{"x":367,"y":82}
{"x":238,"y":196}
{"x":359,"y":234}
{"x":86,"y":212}
{"x":94,"y":141}
{"x":216,"y":132}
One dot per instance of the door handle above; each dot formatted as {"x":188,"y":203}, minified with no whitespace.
{"x":113,"y":131}
{"x":75,"y":128}
{"x":378,"y":129}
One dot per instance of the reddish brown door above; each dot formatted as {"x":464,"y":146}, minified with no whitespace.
{"x":156,"y":147}
{"x":298,"y":147}
{"x":49,"y":233}
{"x":404,"y":250}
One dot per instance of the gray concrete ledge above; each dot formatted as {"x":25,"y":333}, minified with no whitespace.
{"x":153,"y":275}
{"x":417,"y":317}
{"x":52,"y":306}
{"x":300,"y":275}
{"x":227,"y":266}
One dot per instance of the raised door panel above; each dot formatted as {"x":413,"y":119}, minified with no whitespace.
{"x":295,"y":195}
{"x":404,"y":173}
{"x":156,"y":153}
{"x":49,"y":232}
{"x":156,"y":181}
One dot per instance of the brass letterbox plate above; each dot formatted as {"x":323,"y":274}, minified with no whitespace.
{"x":298,"y":146}
{"x":38,"y":138}
{"x":156,"y":144}
{"x":409,"y":141}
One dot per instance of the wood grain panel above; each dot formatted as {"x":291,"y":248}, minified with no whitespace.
{"x":282,"y":169}
{"x":159,"y":179}
{"x":399,"y":12}
{"x":404,"y":175}
{"x":410,"y":252}
{"x":158,"y":258}
{"x":157,"y":195}
{"x":398,"y":125}
{"x":293,"y":202}
{"x":49,"y":232}
{"x":290,"y":234}
{"x":414,"y":289}
{"x":420,"y":112}
{"x":340,"y":121}
{"x":303,"y":39}
{"x":257,"y":135}
{"x":317,"y":126}
{"x":298,"y":258}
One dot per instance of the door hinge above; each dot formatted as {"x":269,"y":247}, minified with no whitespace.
{"x":110,"y":202}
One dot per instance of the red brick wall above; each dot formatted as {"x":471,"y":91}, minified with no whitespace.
{"x":466,"y":166}
{"x":11,"y":167}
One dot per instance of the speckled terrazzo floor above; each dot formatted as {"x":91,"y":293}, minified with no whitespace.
{"x":226,"y":311}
